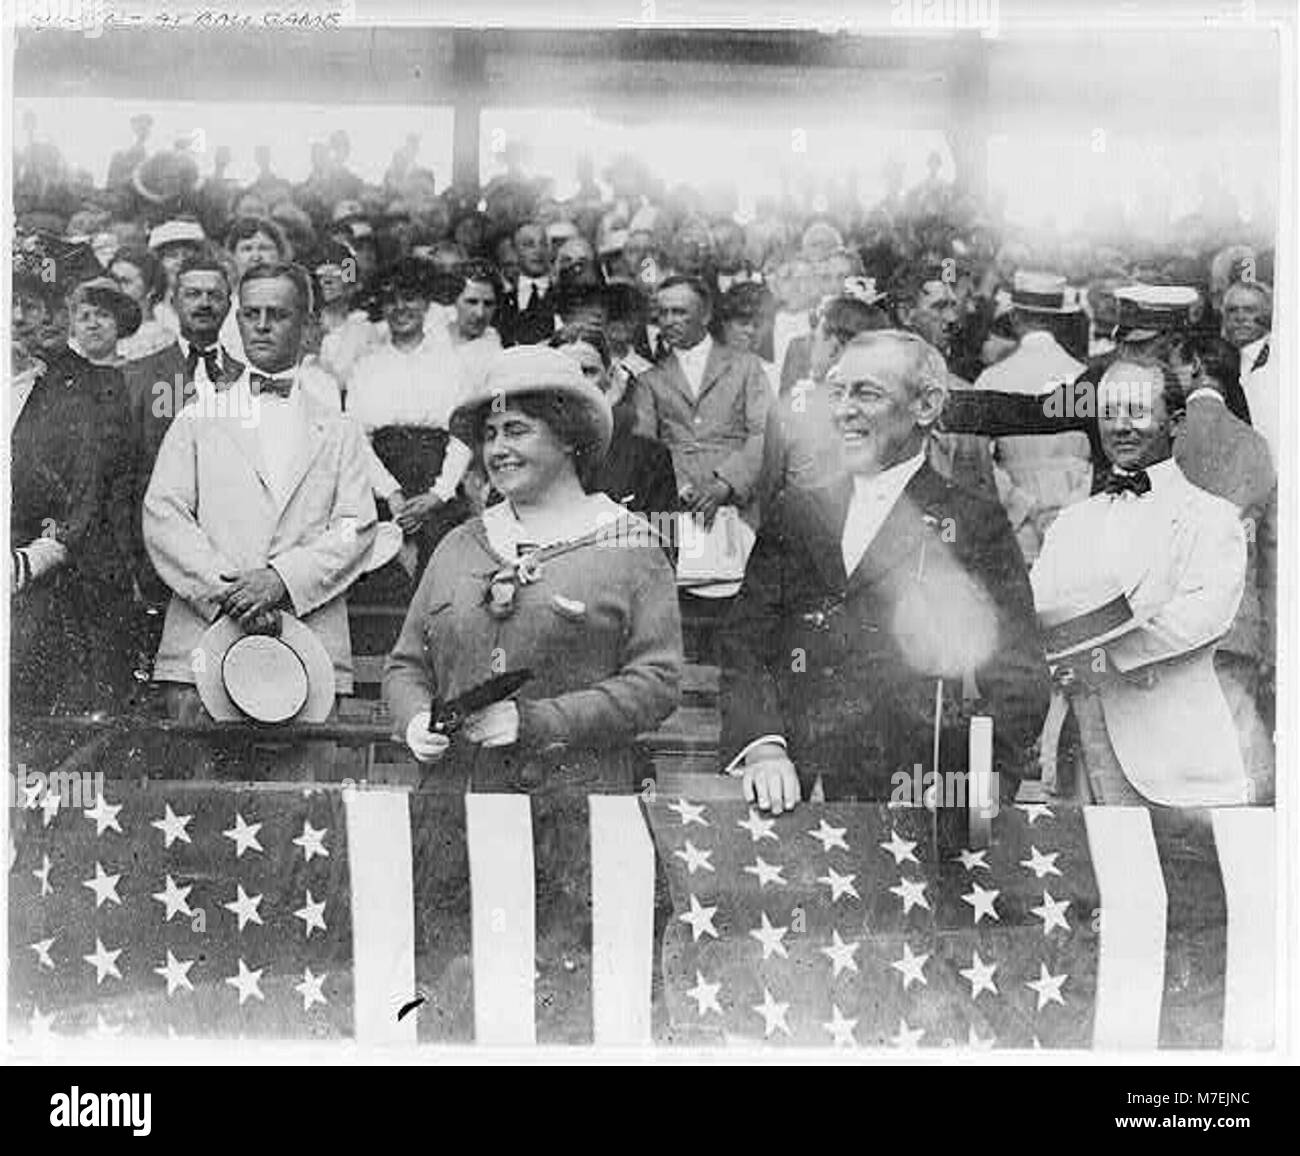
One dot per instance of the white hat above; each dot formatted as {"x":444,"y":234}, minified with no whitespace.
{"x":266,"y":679}
{"x":170,"y":232}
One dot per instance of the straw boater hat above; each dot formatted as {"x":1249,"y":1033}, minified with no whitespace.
{"x":1068,"y":630}
{"x":1146,"y":311}
{"x":534,"y":369}
{"x":178,"y":229}
{"x":264,"y":679}
{"x":1042,"y":293}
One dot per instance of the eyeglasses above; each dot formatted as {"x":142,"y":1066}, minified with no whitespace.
{"x":863,"y":393}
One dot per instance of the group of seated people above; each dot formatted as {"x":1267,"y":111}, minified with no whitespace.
{"x":1079,"y":542}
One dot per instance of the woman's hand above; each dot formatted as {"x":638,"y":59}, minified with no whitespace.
{"x":493,"y":726}
{"x":427,"y":746}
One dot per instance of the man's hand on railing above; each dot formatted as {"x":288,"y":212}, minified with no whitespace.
{"x":769,"y":779}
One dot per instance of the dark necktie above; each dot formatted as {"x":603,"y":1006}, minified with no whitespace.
{"x":280,"y":387}
{"x":1262,"y":359}
{"x":661,"y":347}
{"x":1136,"y":482}
{"x":211,"y":361}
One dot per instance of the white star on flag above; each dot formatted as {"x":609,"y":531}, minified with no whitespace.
{"x":42,"y":950}
{"x":974,"y":1042}
{"x":770,"y":937}
{"x":694,"y":858}
{"x":43,"y":876}
{"x":1039,"y":863}
{"x":103,"y":961}
{"x":765,"y":872}
{"x":705,"y":995}
{"x":912,"y":967}
{"x":1036,"y":811}
{"x":829,"y":836}
{"x":912,"y":893}
{"x":172,"y":826}
{"x":972,"y":859}
{"x":982,"y":901}
{"x":104,"y":886}
{"x":312,"y":914}
{"x":1052,"y":913}
{"x":980,"y":976}
{"x":310,"y":988}
{"x":700,"y":918}
{"x":841,"y":1029}
{"x":175,"y":899}
{"x":244,"y":906}
{"x":247,"y":982}
{"x":900,"y":849}
{"x":689,"y":812}
{"x":244,"y":835}
{"x":840,"y":954}
{"x":1047,"y":986}
{"x":311,"y":841}
{"x":104,"y":816}
{"x":907,"y":1037}
{"x":773,"y":1014}
{"x":839,"y":884}
{"x":758,"y":827}
{"x":176,"y":972}
{"x":50,"y":807}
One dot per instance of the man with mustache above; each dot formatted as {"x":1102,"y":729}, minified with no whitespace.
{"x":262,"y":503}
{"x":870,"y":596}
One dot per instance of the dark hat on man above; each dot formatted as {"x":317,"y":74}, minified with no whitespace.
{"x":1147,"y":311}
{"x":746,"y":299}
{"x":105,"y":293}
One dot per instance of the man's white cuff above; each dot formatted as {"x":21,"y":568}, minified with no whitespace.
{"x":737,"y":765}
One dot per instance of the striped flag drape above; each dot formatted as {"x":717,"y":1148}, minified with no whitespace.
{"x":394,"y":918}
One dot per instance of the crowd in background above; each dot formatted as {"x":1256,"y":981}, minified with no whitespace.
{"x":414,"y":291}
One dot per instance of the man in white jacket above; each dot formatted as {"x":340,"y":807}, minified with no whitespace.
{"x":1154,"y":725}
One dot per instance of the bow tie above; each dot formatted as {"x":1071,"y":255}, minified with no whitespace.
{"x":1137,"y":483}
{"x":211,"y":361}
{"x":1262,"y":359}
{"x":259,"y":383}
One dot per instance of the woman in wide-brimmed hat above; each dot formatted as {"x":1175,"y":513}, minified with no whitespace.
{"x":71,"y":517}
{"x":555,"y":579}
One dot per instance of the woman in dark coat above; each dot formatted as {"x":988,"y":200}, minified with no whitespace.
{"x":72,"y":609}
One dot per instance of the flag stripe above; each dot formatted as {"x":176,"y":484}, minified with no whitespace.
{"x":1245,"y":841}
{"x":622,"y":920}
{"x":500,"y":835}
{"x":1131,"y":957}
{"x":383,"y":915}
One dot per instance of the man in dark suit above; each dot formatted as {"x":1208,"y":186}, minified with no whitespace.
{"x":526,"y":313}
{"x":158,"y":386}
{"x":876,"y":600}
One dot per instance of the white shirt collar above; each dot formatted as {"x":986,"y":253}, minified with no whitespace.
{"x":894,"y":479}
{"x":504,"y":531}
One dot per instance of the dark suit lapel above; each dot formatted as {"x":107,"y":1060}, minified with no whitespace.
{"x":714,"y":368}
{"x":816,"y":516}
{"x":912,"y":520}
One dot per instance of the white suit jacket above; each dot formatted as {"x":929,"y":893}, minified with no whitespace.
{"x":1179,"y":554}
{"x":210,"y":509}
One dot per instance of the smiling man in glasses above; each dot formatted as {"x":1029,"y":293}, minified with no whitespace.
{"x":877,"y":606}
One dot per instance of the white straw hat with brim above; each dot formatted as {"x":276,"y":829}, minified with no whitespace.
{"x":170,"y":232}
{"x":533,"y":369}
{"x":1034,"y":292}
{"x":1068,"y":630}
{"x":264,"y":679}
